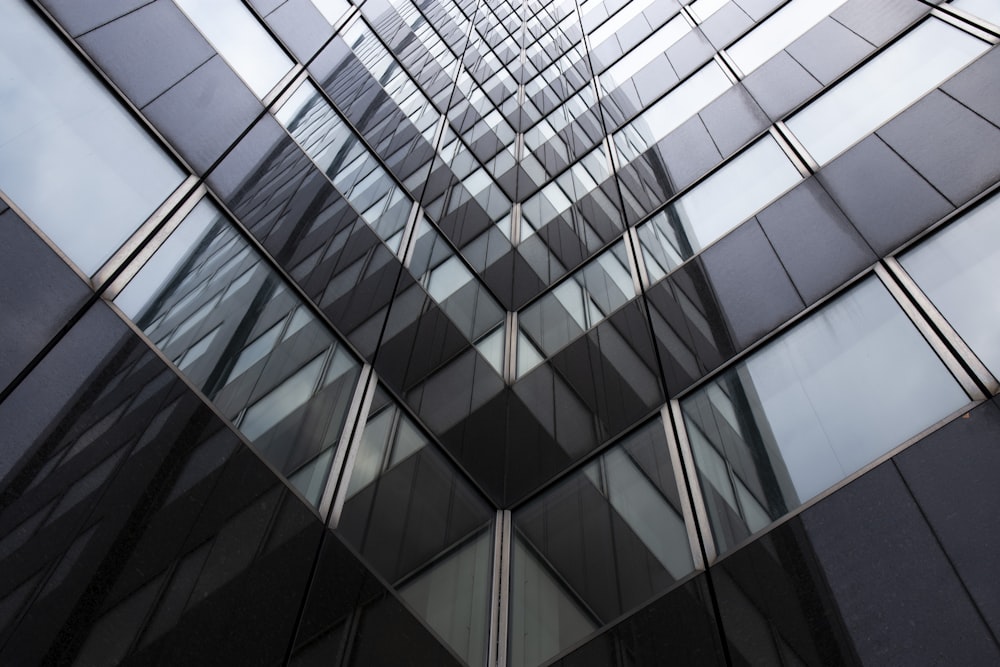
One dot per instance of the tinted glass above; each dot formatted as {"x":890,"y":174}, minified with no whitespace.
{"x":600,"y":543}
{"x":215,"y":309}
{"x":892,"y":81}
{"x":957,"y":269}
{"x":73,"y":159}
{"x":241,"y":40}
{"x":716,"y":205}
{"x":819,"y":403}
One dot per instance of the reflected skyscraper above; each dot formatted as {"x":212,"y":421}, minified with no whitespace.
{"x":481,"y":332}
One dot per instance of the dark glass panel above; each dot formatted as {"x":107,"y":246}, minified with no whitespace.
{"x":978,"y":86}
{"x":300,"y":26}
{"x":421,"y":526}
{"x":951,"y":474}
{"x":204,"y":113}
{"x":221,"y":314}
{"x":826,"y":588}
{"x":780,"y":85}
{"x":80,"y":16}
{"x":770,"y":433}
{"x":951,"y":146}
{"x":148,"y":50}
{"x":752,"y":287}
{"x":136,"y":520}
{"x":815,"y":242}
{"x":609,"y":537}
{"x":39,"y":294}
{"x":887,"y":200}
{"x":679,"y":626}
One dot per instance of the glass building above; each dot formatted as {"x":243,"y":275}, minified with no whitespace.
{"x":479,"y":332}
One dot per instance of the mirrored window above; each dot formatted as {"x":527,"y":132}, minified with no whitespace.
{"x":452,"y":285}
{"x":71,"y":157}
{"x":778,"y":31}
{"x":222,"y":315}
{"x":579,"y":303}
{"x":892,"y":81}
{"x":816,"y":405}
{"x":422,"y":527}
{"x":615,"y":23}
{"x":957,"y":268}
{"x":347,"y":162}
{"x":672,"y":111}
{"x":644,"y":53}
{"x":241,"y":40}
{"x":716,"y":205}
{"x":600,"y":543}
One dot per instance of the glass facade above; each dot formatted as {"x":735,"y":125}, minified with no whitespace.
{"x":480,"y":332}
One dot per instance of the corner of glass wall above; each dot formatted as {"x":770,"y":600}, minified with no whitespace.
{"x":579,"y":303}
{"x":215,"y":308}
{"x":420,"y":525}
{"x":602,"y":542}
{"x":819,"y":403}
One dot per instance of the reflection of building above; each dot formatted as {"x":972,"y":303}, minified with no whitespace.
{"x":489,"y":333}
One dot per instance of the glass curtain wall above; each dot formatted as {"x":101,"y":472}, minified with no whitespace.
{"x":538,"y":316}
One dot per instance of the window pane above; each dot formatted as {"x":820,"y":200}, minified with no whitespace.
{"x":716,"y":205}
{"x":816,"y":405}
{"x":356,"y":174}
{"x":704,"y":8}
{"x":332,"y":10}
{"x":70,"y":156}
{"x":778,"y":31}
{"x":896,"y":78}
{"x":623,"y":16}
{"x":576,"y":305}
{"x":672,"y":111}
{"x":654,"y":45}
{"x":241,"y":40}
{"x":421,"y":526}
{"x":985,"y":9}
{"x":611,"y":537}
{"x":212,"y":305}
{"x":957,"y":268}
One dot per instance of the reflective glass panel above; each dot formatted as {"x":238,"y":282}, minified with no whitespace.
{"x":219,"y":312}
{"x":583,"y":301}
{"x":702,"y":9}
{"x":613,"y":24}
{"x":451,"y":284}
{"x":778,"y":31}
{"x":71,"y":157}
{"x":422,"y":527}
{"x":241,"y":40}
{"x":600,"y":543}
{"x":347,"y":162}
{"x":957,"y":268}
{"x":332,"y":10}
{"x":819,"y":403}
{"x":672,"y":111}
{"x":644,"y":53}
{"x":716,"y":205}
{"x":985,"y":9}
{"x":883,"y":87}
